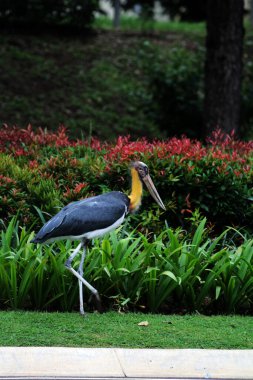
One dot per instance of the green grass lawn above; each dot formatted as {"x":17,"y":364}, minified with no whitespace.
{"x":122,"y":330}
{"x":128,"y":23}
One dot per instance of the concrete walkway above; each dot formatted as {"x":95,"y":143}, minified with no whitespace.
{"x":117,"y":363}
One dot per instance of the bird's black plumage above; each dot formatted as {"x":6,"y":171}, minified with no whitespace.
{"x":84,"y":217}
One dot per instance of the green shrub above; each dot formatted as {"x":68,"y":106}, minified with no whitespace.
{"x":177,"y":93}
{"x":175,"y":98}
{"x":23,"y":189}
{"x":171,"y":272}
{"x":213,"y":180}
{"x":73,"y":13}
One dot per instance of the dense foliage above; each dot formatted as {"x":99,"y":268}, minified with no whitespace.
{"x":111,"y":84}
{"x":194,"y":264}
{"x":176,"y":87}
{"x":42,"y":171}
{"x":168,"y":273}
{"x":41,"y":13}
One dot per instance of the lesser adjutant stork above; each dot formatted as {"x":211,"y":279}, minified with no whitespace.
{"x":93,"y":217}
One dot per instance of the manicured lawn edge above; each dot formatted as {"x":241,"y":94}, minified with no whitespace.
{"x":115,"y":329}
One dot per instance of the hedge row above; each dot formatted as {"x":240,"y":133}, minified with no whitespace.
{"x":42,"y":170}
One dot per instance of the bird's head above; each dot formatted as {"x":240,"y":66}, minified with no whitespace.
{"x":143,"y":174}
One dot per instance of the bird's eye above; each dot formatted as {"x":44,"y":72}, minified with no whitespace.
{"x":143,"y":171}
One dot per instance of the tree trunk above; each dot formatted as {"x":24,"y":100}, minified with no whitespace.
{"x":251,"y":12}
{"x":116,"y":18}
{"x":223,"y":67}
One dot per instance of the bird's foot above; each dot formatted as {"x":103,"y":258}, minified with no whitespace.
{"x":98,"y":301}
{"x":83,"y":314}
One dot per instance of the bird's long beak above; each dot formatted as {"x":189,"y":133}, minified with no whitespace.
{"x":151,"y":188}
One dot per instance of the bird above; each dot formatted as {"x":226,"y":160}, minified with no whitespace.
{"x":93,"y":217}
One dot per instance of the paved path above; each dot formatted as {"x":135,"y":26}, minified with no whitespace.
{"x":104,"y":363}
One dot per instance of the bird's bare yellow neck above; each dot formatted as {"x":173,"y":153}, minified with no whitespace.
{"x":136,"y":191}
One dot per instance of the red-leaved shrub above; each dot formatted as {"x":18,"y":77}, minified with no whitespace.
{"x":50,"y":170}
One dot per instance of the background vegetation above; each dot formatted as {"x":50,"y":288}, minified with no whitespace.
{"x":103,"y":86}
{"x":46,"y":170}
{"x":170,"y":272}
{"x":112,"y":82}
{"x":36,"y":14}
{"x":194,"y":264}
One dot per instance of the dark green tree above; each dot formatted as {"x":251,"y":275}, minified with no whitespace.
{"x":186,"y":10}
{"x":75,"y":13}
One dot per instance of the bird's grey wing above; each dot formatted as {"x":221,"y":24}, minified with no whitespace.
{"x":80,"y":217}
{"x":90,"y":216}
{"x":48,"y":229}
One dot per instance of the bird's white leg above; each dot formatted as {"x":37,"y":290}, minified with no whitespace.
{"x":86,"y":283}
{"x":73,"y":255}
{"x":78,"y":276}
{"x":80,"y":271}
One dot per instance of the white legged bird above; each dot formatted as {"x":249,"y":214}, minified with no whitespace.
{"x":93,"y":217}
